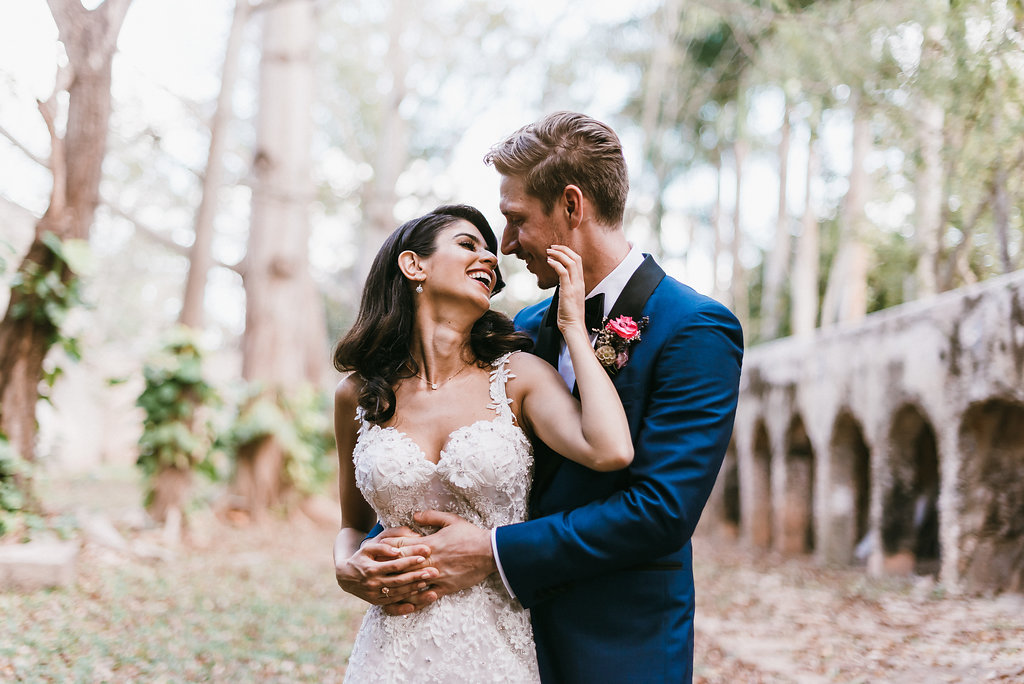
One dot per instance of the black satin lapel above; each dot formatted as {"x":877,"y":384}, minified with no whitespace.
{"x":638,"y":290}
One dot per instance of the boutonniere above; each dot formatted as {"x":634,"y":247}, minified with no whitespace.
{"x":614,"y":340}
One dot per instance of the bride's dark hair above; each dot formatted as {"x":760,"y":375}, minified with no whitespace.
{"x":377,"y":345}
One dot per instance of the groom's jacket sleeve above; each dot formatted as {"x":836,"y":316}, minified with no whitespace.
{"x":681,"y":430}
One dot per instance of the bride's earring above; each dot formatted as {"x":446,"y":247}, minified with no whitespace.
{"x":419,"y":288}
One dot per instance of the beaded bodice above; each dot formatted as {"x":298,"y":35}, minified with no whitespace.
{"x":483,"y":474}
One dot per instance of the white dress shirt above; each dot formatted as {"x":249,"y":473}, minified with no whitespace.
{"x":612,"y":286}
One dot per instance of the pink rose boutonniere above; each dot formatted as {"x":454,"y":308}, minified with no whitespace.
{"x":614,"y":340}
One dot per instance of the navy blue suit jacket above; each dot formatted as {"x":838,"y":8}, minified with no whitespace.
{"x":604,"y":563}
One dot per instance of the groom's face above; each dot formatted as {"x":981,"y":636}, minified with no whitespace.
{"x":529,"y":230}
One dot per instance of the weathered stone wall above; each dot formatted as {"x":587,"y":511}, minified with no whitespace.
{"x":898,"y":442}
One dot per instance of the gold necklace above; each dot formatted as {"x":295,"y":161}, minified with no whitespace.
{"x":435,"y":385}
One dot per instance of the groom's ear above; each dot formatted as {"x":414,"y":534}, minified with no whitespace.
{"x":572,"y":203}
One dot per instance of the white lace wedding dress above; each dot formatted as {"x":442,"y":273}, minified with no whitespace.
{"x":477,"y":635}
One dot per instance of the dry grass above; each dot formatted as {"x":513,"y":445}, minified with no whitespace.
{"x":233,"y":604}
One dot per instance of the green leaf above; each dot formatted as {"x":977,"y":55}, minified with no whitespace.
{"x":19,"y":309}
{"x":53,"y":243}
{"x":79,"y":257}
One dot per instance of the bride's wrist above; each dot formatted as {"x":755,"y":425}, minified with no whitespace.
{"x":577,"y":330}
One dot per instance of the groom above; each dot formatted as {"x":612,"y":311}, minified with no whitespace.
{"x":604,"y":563}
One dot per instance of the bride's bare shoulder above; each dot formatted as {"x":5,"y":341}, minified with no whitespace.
{"x":346,"y":394}
{"x":530,"y":368}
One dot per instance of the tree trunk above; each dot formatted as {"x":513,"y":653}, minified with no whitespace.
{"x":201,"y":255}
{"x":738,"y":287}
{"x":805,"y":271}
{"x":1001,"y":202}
{"x":928,"y":198}
{"x":170,"y":489}
{"x":276,"y":273}
{"x":392,"y":152}
{"x":717,"y":291}
{"x":171,"y":485}
{"x":657,"y":100}
{"x":846,"y":294}
{"x":778,"y":259}
{"x":24,"y":343}
{"x":76,"y":159}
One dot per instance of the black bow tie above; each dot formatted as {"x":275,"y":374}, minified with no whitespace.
{"x":593,"y":311}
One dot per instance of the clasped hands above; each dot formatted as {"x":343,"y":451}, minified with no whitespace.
{"x":403,"y":571}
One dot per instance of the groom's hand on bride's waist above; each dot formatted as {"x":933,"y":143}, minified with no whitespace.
{"x":461,"y":553}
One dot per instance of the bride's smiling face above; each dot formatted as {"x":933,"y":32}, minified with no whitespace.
{"x":461,"y":266}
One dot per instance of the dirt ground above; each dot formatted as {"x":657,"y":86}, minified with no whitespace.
{"x":762,"y":618}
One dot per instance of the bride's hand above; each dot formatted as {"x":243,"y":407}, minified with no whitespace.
{"x":571,"y":289}
{"x":384,"y":570}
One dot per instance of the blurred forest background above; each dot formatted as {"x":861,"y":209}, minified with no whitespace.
{"x":192,"y":190}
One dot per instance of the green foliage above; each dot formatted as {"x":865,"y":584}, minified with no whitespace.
{"x":176,"y":430}
{"x":895,"y":261}
{"x":5,"y":246}
{"x":11,"y":497}
{"x":47,"y":293}
{"x":299,"y":422}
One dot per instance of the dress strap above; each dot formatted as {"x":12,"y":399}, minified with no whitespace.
{"x":361,"y":417}
{"x":499,"y":376}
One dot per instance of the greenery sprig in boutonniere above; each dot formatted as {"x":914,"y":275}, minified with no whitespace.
{"x":614,"y":340}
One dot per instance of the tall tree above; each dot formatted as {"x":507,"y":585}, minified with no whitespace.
{"x":846,"y":294}
{"x":718,"y":290}
{"x":738,"y":296}
{"x":928,"y":182}
{"x":201,"y":254}
{"x":173,"y":479}
{"x":778,"y":257}
{"x":391,"y":153}
{"x":284,"y":343}
{"x":660,"y":106}
{"x":928,"y":197}
{"x":804,"y":283}
{"x":28,"y":329}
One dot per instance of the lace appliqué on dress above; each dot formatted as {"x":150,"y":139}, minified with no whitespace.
{"x":483,"y":475}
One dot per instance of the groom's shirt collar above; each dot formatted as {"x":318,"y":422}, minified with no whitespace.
{"x":615,"y":282}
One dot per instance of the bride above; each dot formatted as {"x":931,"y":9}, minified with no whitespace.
{"x":438,"y":413}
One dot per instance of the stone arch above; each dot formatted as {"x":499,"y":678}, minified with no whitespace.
{"x":760,"y":520}
{"x":730,"y":506}
{"x":992,"y":496}
{"x":722,"y":511}
{"x":910,"y":510}
{"x":848,"y":495}
{"x":797,"y":514}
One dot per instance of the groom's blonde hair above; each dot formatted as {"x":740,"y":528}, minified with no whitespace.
{"x":567,"y":148}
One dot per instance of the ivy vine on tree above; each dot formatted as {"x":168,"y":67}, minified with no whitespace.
{"x":177,"y":434}
{"x":11,"y":498}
